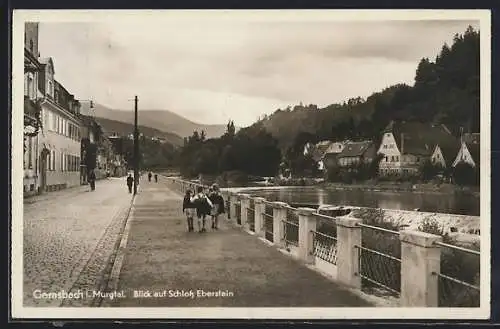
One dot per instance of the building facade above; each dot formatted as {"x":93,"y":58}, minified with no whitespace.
{"x":406,"y":146}
{"x":32,"y":110}
{"x":60,"y":167}
{"x":355,"y":153}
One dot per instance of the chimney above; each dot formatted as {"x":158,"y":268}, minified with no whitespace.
{"x":461,"y":135}
{"x":402,"y":142}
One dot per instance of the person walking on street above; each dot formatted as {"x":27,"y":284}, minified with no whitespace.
{"x":189,"y":209}
{"x":92,"y":179}
{"x":130,"y":182}
{"x":149,"y":176}
{"x":203,"y":207}
{"x":218,"y":206}
{"x":156,"y":178}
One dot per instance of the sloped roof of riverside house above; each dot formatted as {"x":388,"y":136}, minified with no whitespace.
{"x":418,"y":138}
{"x":355,"y":149}
{"x":319,"y":150}
{"x":334,"y":148}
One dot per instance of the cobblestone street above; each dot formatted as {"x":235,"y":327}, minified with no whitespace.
{"x":69,"y":237}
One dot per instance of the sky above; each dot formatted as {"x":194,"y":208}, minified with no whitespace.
{"x":213,"y":70}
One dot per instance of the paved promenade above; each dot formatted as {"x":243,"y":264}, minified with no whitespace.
{"x":69,"y":236}
{"x":160,"y":255}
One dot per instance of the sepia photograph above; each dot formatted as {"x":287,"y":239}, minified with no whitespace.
{"x":284,"y":164}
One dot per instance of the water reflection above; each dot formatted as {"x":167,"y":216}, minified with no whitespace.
{"x":465,"y":204}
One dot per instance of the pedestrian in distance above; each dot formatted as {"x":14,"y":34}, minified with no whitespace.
{"x":189,"y":209}
{"x":149,"y":176}
{"x":92,"y":179}
{"x":218,"y":206}
{"x":203,"y":207}
{"x":156,"y":178}
{"x":130,"y":182}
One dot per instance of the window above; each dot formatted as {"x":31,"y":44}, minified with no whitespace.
{"x":385,"y":146}
{"x":386,"y":159}
{"x":30,"y":87}
{"x":392,"y":158}
{"x":397,"y":158}
{"x":53,"y":160}
{"x":49,"y":90}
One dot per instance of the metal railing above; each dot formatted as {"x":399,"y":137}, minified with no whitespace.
{"x":291,"y":227}
{"x":237,"y":206}
{"x":251,"y":215}
{"x":380,"y":260}
{"x":325,"y":247}
{"x":268,"y":219}
{"x":458,"y":280}
{"x":325,"y":238}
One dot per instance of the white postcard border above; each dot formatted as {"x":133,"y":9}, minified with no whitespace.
{"x":21,"y":312}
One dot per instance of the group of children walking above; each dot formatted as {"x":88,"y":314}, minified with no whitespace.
{"x":201,"y":205}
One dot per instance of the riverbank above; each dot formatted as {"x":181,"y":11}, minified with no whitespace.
{"x":379,"y":186}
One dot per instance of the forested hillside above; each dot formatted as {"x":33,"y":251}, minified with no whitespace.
{"x":446,"y":90}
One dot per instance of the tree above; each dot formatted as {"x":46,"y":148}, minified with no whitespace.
{"x":428,"y":171}
{"x":464,"y":174}
{"x":230,"y":130}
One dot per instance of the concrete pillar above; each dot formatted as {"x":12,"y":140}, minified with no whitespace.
{"x":348,"y":236}
{"x":233,"y":198}
{"x":307,"y":223}
{"x":245,"y":204}
{"x":420,"y":258}
{"x":279,"y":215}
{"x":260,"y":208}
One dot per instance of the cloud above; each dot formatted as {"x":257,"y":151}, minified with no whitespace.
{"x":209,"y":70}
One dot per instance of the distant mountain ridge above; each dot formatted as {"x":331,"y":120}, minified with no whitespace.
{"x":122,"y":128}
{"x":162,"y":120}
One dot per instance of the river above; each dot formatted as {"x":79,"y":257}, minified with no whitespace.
{"x":457,"y":203}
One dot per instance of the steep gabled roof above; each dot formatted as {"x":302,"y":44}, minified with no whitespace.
{"x":418,"y":138}
{"x":355,"y":149}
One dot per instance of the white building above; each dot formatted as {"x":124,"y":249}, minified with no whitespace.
{"x":61,"y":136}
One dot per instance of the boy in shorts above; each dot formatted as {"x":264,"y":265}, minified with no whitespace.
{"x":189,"y":210}
{"x":203,"y":207}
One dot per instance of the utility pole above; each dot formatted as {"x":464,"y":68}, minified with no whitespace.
{"x":136,"y":149}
